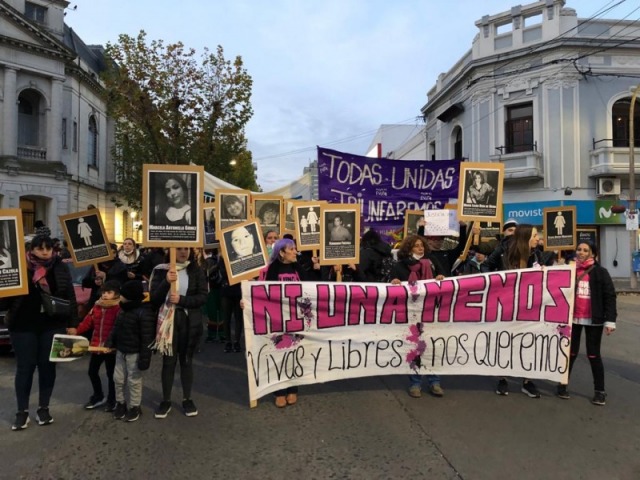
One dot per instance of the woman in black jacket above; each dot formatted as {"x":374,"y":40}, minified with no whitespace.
{"x":373,"y":251}
{"x":595,"y":312}
{"x":32,"y":329}
{"x":178,"y":334}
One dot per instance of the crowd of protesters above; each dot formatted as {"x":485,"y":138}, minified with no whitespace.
{"x":138,"y":304}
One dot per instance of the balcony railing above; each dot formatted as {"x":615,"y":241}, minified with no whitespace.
{"x":614,"y":142}
{"x":32,"y":153}
{"x":610,"y":156}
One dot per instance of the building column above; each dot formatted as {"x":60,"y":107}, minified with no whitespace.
{"x":54,"y":123}
{"x":10,"y":113}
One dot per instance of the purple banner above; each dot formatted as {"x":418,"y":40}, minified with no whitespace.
{"x":386,"y":188}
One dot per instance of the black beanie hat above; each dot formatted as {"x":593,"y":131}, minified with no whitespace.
{"x":132,"y":291}
{"x":110,"y":286}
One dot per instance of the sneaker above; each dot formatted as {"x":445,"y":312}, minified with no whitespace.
{"x":43,"y":416}
{"x":503,"y":387}
{"x":95,"y":402}
{"x":163,"y":410}
{"x":529,"y":389}
{"x":562,"y":392}
{"x":22,"y":420}
{"x":120,"y":411}
{"x":110,"y":406}
{"x":133,"y":414}
{"x":415,"y":391}
{"x":228,"y":348}
{"x":599,"y":398}
{"x":190,"y":409}
{"x":237,"y":348}
{"x":436,"y":390}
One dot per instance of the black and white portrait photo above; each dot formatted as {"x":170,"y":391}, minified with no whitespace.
{"x":340,"y":234}
{"x":209,"y":217}
{"x":244,"y":251}
{"x":172,"y":202}
{"x":480,"y":194}
{"x":289,"y":222}
{"x":268,"y":212}
{"x":13,"y":266}
{"x":86,"y":237}
{"x":232,"y":207}
{"x":413,"y":219}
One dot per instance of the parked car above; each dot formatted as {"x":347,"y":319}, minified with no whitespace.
{"x":82,"y":297}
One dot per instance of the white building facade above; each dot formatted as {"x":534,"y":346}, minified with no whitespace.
{"x":55,"y":136}
{"x":547,"y":94}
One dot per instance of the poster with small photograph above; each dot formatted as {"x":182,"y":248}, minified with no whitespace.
{"x":244,"y":251}
{"x":340,"y":234}
{"x":233,"y":208}
{"x":268,"y":211}
{"x":559,"y":225}
{"x":490,"y":230}
{"x":209,"y":217}
{"x":413,"y":219}
{"x":308,"y":224}
{"x":172,"y":205}
{"x":289,"y":221}
{"x":13,"y":262}
{"x":480,"y":191}
{"x":86,"y":237}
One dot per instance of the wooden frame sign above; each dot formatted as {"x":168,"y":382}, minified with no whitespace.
{"x":172,"y":198}
{"x":412,"y":220}
{"x":480,"y":191}
{"x":308,"y":223}
{"x":340,"y":234}
{"x":559,"y":225}
{"x":13,"y":259}
{"x":233,"y":208}
{"x":244,"y":251}
{"x":86,"y":237}
{"x":209,"y":218}
{"x":269,"y":212}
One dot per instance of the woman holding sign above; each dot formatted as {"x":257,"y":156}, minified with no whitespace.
{"x":32,"y":328}
{"x":594,"y":312}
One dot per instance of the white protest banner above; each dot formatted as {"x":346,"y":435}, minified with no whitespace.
{"x":514,"y":323}
{"x":441,"y":223}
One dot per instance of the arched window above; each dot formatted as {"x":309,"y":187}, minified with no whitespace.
{"x":456,"y":137}
{"x":620,"y":122}
{"x":92,"y":147}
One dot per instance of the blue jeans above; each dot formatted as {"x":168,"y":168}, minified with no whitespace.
{"x":32,"y":350}
{"x":416,"y":380}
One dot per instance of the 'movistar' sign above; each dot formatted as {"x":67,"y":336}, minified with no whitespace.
{"x":514,"y":323}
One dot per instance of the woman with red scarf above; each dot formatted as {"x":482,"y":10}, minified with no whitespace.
{"x":594,"y":312}
{"x":32,"y":330}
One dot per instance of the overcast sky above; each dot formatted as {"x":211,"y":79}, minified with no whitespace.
{"x":325,"y":73}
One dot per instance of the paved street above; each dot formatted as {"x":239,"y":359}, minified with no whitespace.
{"x":365,"y":428}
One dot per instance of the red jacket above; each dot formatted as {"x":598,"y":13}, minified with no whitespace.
{"x":101,"y":319}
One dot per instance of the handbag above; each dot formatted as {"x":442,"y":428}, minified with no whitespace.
{"x":55,"y":306}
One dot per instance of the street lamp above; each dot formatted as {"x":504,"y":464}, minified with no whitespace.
{"x":633,"y":234}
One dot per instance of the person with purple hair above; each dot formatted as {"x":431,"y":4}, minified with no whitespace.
{"x":284,"y":267}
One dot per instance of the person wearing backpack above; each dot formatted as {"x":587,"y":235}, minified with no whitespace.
{"x":376,"y":259}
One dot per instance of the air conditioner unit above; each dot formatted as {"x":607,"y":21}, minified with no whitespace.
{"x":608,"y":186}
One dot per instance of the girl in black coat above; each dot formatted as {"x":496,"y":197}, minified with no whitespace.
{"x":594,"y":312}
{"x":32,"y":329}
{"x":186,"y":328}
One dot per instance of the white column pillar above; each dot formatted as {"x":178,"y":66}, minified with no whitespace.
{"x":10,"y":113}
{"x":54,"y":123}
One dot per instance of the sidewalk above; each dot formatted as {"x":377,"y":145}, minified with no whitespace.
{"x":623,"y":285}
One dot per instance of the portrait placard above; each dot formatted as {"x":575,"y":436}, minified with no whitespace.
{"x":172,"y":205}
{"x":340,"y":234}
{"x":233,"y":208}
{"x":307,"y":224}
{"x":559,"y":228}
{"x":289,"y":222}
{"x":244,"y":251}
{"x":490,"y":230}
{"x":13,"y":262}
{"x":413,"y":219}
{"x":86,"y":237}
{"x":209,"y":218}
{"x":269,"y":212}
{"x":480,"y":191}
